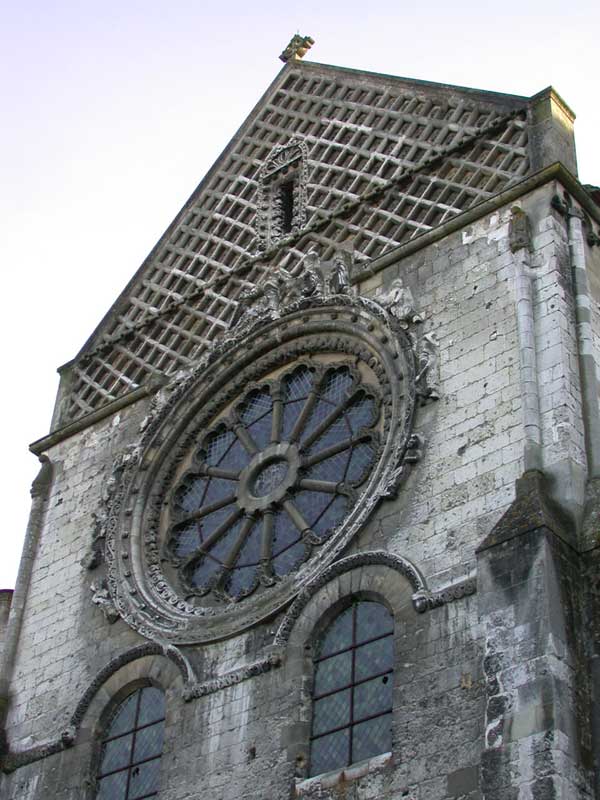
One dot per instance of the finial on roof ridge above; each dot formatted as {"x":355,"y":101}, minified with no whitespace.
{"x":297,"y":48}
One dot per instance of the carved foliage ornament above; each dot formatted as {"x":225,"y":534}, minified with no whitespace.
{"x":254,"y":472}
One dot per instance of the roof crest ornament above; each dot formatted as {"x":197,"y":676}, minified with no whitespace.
{"x":297,"y":48}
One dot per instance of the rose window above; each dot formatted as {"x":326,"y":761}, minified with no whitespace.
{"x":272,"y":478}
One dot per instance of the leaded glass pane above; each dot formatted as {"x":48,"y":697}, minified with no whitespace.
{"x":338,"y":635}
{"x":285,"y":532}
{"x":214,"y":520}
{"x":297,"y":384}
{"x":337,"y":385}
{"x":321,"y":410}
{"x":374,"y":658}
{"x":289,"y":559}
{"x":186,"y":539}
{"x":144,"y":779}
{"x":222,"y":547}
{"x":152,"y":705}
{"x":256,"y":405}
{"x":113,"y":787}
{"x":336,"y":432}
{"x":372,"y":738}
{"x":124,"y":719}
{"x":216,"y":445}
{"x":331,"y":712}
{"x":291,"y":412}
{"x":330,"y":752}
{"x":204,"y":570}
{"x":373,"y":697}
{"x":236,"y":458}
{"x":311,"y":505}
{"x":361,"y":413}
{"x":190,"y":494}
{"x":218,"y":489}
{"x":116,"y":753}
{"x":333,"y":514}
{"x":372,"y":619}
{"x":361,"y":462}
{"x":241,"y":580}
{"x":333,"y":673}
{"x":149,"y":742}
{"x":260,"y":431}
{"x":330,"y":469}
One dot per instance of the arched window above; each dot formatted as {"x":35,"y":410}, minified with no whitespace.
{"x":352,"y":693}
{"x":131,"y":750}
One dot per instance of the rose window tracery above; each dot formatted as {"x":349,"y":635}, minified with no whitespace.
{"x":272,"y":478}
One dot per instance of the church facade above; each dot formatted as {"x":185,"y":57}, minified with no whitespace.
{"x":317,"y":516}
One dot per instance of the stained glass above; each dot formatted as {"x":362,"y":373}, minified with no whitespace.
{"x":152,"y":705}
{"x":333,"y":514}
{"x":372,"y":737}
{"x":333,"y":672}
{"x":372,"y":619}
{"x":372,"y":697}
{"x":190,"y":494}
{"x":236,"y":458}
{"x":130,"y":763}
{"x":331,"y":712}
{"x":289,"y":559}
{"x":116,"y":753}
{"x":330,"y":752}
{"x":374,"y":658}
{"x":217,"y":445}
{"x":239,"y":468}
{"x":337,"y":384}
{"x":352,"y":692}
{"x":113,"y":787}
{"x":338,"y":635}
{"x":186,"y":539}
{"x":124,"y":718}
{"x":144,"y":779}
{"x":149,"y":742}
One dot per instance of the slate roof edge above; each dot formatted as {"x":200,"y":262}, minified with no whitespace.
{"x":383,"y":76}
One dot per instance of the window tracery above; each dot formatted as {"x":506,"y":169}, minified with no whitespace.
{"x":132,"y":748}
{"x":273,"y":478}
{"x":281,"y":206}
{"x":352,"y":691}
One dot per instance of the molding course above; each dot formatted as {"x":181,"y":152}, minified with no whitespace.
{"x":11,"y":761}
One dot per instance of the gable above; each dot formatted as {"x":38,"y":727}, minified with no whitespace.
{"x":387,"y":160}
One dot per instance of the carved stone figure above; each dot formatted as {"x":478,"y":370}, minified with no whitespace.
{"x":101,"y":598}
{"x":427,"y":375}
{"x":398,"y":299}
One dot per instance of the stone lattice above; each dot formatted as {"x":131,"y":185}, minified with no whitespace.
{"x":388,"y":160}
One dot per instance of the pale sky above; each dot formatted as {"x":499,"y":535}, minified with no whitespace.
{"x":113,"y":112}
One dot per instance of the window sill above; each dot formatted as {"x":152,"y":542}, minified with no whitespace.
{"x":354,"y":772}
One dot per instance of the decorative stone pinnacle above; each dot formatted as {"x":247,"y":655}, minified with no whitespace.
{"x":297,"y":48}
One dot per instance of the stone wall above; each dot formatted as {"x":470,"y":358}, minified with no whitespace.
{"x":249,"y":739}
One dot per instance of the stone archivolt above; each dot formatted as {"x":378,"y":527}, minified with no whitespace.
{"x":160,"y":581}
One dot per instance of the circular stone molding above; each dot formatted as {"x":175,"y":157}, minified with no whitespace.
{"x":254,"y":471}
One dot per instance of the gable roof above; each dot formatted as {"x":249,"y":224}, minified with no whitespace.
{"x":388,"y":160}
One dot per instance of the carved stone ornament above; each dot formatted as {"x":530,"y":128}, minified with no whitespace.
{"x":254,"y":471}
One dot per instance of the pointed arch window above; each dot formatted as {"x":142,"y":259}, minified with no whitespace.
{"x":132,"y":748}
{"x":352,"y":691}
